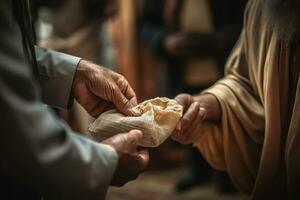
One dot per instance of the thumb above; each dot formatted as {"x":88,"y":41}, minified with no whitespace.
{"x":133,"y":138}
{"x":185,"y":100}
{"x":123,"y":104}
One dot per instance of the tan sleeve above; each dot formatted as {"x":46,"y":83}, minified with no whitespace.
{"x":235,"y":144}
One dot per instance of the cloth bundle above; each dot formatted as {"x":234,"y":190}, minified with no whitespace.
{"x":158,"y":120}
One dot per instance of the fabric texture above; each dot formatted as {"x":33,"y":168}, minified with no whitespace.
{"x":255,"y":141}
{"x":159,"y":118}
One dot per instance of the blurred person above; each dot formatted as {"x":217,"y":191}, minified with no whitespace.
{"x":193,"y":38}
{"x":248,"y":123}
{"x":40,"y":155}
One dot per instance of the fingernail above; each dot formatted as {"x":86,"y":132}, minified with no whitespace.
{"x":195,"y":104}
{"x":136,"y":111}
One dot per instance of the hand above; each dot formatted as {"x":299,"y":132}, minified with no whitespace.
{"x":196,"y":110}
{"x":189,"y":127}
{"x":132,"y":161}
{"x":98,"y":89}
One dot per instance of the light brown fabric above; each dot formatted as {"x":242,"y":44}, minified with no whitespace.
{"x":250,"y":140}
{"x":159,"y":119}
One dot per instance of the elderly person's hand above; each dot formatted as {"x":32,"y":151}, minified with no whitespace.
{"x":132,"y":161}
{"x":196,"y":110}
{"x":98,"y":89}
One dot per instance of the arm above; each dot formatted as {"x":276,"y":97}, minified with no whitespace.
{"x":40,"y":150}
{"x":36,"y":147}
{"x":232,"y":141}
{"x":97,"y":89}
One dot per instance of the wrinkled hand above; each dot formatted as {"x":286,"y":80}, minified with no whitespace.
{"x":189,"y":127}
{"x":98,"y":89}
{"x":132,"y":161}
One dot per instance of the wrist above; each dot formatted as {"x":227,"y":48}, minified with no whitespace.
{"x":81,"y":73}
{"x":211,"y":104}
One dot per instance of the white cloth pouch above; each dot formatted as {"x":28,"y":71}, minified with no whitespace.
{"x":159,"y":118}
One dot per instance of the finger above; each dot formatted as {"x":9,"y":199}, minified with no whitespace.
{"x":190,"y":132}
{"x":197,"y":122}
{"x":123,"y":104}
{"x":175,"y":135}
{"x":178,"y":126}
{"x":184,"y":100}
{"x":203,"y":113}
{"x":127,"y":90}
{"x":184,"y":135}
{"x":133,"y":138}
{"x":194,"y":130}
{"x":189,"y":116}
{"x":195,"y":137}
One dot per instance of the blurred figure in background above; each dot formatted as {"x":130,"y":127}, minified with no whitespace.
{"x":76,"y":27}
{"x":193,"y":39}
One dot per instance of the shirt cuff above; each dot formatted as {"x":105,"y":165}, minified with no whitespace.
{"x":56,"y":73}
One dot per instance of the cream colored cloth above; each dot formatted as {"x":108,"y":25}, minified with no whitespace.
{"x":261,"y":155}
{"x":159,"y":119}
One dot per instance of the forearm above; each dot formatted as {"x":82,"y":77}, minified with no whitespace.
{"x":210,"y":103}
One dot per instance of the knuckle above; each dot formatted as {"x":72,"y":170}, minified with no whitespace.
{"x":122,"y":78}
{"x":113,"y":87}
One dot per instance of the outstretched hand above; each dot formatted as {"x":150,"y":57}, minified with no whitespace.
{"x":197,"y":109}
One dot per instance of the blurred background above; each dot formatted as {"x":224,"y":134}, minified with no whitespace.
{"x":163,"y":48}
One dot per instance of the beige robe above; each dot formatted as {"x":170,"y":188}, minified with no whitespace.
{"x":261,"y":155}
